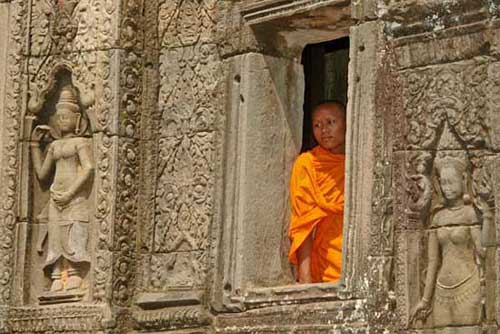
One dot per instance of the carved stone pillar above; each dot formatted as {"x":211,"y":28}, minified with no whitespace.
{"x":97,"y":46}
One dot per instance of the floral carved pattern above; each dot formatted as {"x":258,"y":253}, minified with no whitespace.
{"x":11,"y":128}
{"x":454,"y":94}
{"x":68,"y":25}
{"x":186,"y":22}
{"x":190,"y":101}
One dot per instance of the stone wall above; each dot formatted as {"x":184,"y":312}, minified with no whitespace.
{"x":185,"y":117}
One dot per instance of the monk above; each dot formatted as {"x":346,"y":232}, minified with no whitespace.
{"x":317,"y":199}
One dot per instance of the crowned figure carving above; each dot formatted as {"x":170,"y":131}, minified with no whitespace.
{"x":66,"y":163}
{"x":453,"y":295}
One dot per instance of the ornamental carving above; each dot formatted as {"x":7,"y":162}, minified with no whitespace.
{"x":183,"y":23}
{"x":450,"y":197}
{"x":448,"y":212}
{"x":452,"y":294}
{"x":62,"y":161}
{"x":455,"y":95}
{"x":190,"y":93}
{"x":68,"y":25}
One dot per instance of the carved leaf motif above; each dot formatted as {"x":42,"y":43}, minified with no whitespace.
{"x":455,"y":94}
{"x":185,"y":23}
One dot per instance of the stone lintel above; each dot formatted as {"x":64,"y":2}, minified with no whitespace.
{"x":269,"y":10}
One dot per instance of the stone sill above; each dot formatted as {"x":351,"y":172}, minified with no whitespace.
{"x":156,"y":300}
{"x":291,"y":294}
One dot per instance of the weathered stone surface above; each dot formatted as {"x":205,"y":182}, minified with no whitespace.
{"x":195,"y":114}
{"x":4,"y":39}
{"x":84,"y":26}
{"x":263,"y":79}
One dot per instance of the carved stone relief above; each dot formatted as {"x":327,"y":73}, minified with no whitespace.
{"x":14,"y":90}
{"x":70,"y":25}
{"x":115,"y":111}
{"x":177,"y":237}
{"x":62,"y":161}
{"x":183,"y":209}
{"x":176,"y":153}
{"x":452,"y":294}
{"x":183,"y":23}
{"x":454,"y":94}
{"x":132,"y":24}
{"x":446,"y":217}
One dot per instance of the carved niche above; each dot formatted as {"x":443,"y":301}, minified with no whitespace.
{"x":62,"y":172}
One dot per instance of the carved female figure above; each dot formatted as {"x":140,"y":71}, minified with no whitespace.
{"x":452,"y":293}
{"x":68,"y":163}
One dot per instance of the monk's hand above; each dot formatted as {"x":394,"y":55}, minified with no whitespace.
{"x":421,"y":311}
{"x":305,"y":278}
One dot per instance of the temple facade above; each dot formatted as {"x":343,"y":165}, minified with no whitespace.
{"x":146,"y":148}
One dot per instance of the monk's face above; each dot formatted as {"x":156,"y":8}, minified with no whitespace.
{"x":329,"y":127}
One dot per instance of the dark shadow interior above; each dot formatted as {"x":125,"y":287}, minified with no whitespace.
{"x":325,"y":68}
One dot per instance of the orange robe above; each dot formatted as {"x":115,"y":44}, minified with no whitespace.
{"x":317,"y":200}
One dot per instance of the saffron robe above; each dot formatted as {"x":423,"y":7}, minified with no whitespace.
{"x":317,"y":202}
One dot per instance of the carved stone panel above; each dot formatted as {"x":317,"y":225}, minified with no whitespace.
{"x":453,"y":97}
{"x":96,"y":76}
{"x":4,"y":39}
{"x":11,"y":124}
{"x":460,"y":247}
{"x":183,"y":23}
{"x":177,"y":238}
{"x":73,"y":25}
{"x":445,"y":191}
{"x":62,"y":161}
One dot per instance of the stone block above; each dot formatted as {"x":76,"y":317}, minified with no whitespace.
{"x":4,"y":38}
{"x":446,"y":49}
{"x":264,"y":129}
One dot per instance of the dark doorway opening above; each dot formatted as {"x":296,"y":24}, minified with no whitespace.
{"x":326,"y":69}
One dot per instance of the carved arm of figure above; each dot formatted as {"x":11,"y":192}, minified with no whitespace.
{"x":425,"y":187}
{"x":62,"y":198}
{"x":476,"y":234}
{"x":43,"y":167}
{"x":423,"y":308}
{"x":488,"y":228}
{"x":304,"y":260}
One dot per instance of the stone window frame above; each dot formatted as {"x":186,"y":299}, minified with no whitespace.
{"x":359,"y":163}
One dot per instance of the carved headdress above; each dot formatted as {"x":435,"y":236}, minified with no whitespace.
{"x":68,"y":99}
{"x":456,"y":163}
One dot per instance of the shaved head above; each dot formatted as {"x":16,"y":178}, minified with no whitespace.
{"x":329,"y":126}
{"x":331,"y":105}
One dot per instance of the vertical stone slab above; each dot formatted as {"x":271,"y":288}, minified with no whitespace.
{"x":11,"y":65}
{"x":360,"y":163}
{"x":4,"y":36}
{"x":272,"y":103}
{"x":263,"y":136}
